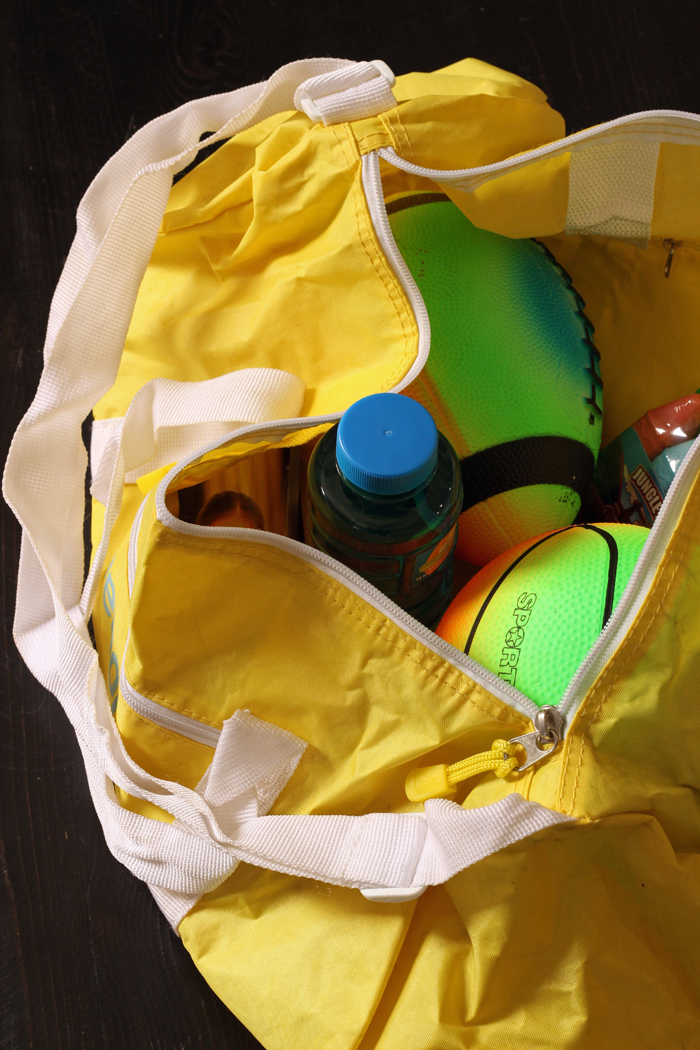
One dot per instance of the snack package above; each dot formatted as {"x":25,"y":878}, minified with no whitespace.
{"x":635,"y":471}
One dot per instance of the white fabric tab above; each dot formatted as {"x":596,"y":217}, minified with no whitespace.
{"x":252,"y":762}
{"x":251,"y":756}
{"x":361,"y":90}
{"x":167,"y":420}
{"x":611,"y":190}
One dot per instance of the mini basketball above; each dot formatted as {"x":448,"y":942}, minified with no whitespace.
{"x":532,"y":614}
{"x":512,"y":378}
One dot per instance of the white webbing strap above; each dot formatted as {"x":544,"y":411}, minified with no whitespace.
{"x":43,"y":482}
{"x":252,"y":763}
{"x":168,"y":419}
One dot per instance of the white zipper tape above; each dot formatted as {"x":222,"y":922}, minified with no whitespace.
{"x":335,"y":569}
{"x":374,"y":194}
{"x":185,"y":725}
{"x":162,"y":716}
{"x":656,"y":125}
{"x":133,"y":547}
{"x":637,"y":589}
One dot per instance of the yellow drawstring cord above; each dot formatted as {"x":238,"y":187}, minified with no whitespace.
{"x":438,"y":781}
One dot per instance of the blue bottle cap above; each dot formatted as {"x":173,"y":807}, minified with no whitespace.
{"x":386,"y":444}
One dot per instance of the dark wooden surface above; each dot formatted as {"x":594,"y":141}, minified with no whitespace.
{"x":86,"y":960}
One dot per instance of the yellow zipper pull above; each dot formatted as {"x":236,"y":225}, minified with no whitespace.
{"x":440,"y":781}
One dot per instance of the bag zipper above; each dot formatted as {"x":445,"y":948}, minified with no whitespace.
{"x":357,"y":584}
{"x":610,"y":638}
{"x":672,"y":246}
{"x":637,"y":587}
{"x":195,"y":730}
{"x":185,"y":725}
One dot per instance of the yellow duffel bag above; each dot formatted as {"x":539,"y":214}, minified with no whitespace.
{"x":255,"y":707}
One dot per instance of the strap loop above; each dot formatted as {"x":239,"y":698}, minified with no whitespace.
{"x":361,"y":90}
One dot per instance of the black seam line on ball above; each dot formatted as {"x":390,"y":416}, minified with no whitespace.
{"x":596,"y":379}
{"x":502,"y":577}
{"x":612,"y":570}
{"x":545,"y":460}
{"x":414,"y":200}
{"x":593,"y":353}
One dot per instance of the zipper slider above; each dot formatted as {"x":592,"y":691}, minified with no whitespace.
{"x":441,"y":781}
{"x":670,"y":246}
{"x":543,"y":741}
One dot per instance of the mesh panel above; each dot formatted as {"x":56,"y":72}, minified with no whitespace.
{"x":611,"y":190}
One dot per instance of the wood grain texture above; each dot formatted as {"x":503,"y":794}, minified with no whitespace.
{"x":86,"y":960}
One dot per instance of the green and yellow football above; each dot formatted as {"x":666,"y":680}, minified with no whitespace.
{"x":512,"y":378}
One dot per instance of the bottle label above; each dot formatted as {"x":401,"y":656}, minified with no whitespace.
{"x":430,"y":561}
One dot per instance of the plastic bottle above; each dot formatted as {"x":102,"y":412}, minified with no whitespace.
{"x":668,"y":425}
{"x":384,"y":495}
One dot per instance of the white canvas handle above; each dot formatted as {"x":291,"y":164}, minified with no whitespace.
{"x":117,"y":224}
{"x":168,"y":419}
{"x":43,"y":482}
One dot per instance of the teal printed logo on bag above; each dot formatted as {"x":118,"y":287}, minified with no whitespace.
{"x":108,"y":600}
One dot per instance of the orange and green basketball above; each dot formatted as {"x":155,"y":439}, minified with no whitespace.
{"x":512,"y":378}
{"x":532,"y":614}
